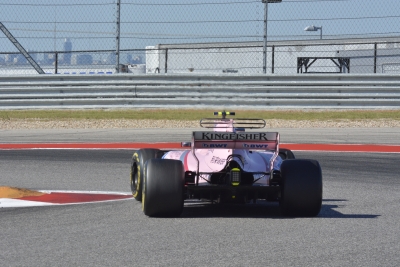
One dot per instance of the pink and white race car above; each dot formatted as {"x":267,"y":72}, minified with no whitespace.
{"x":227,"y":164}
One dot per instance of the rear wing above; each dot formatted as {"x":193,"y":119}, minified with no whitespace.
{"x":232,"y":123}
{"x":236,"y":140}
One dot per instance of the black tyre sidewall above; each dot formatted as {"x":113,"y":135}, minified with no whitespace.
{"x":163,"y":188}
{"x":301,"y":193}
{"x":287,"y":153}
{"x":139,"y":158}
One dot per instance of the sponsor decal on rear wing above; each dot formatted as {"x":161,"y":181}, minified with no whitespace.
{"x":231,"y":140}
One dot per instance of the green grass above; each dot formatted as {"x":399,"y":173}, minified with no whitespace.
{"x":184,"y":114}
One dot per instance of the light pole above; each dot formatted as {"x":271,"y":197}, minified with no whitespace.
{"x":313,"y":28}
{"x":118,"y":33}
{"x":266,"y":30}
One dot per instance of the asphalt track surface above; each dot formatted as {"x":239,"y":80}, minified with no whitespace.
{"x":357,"y":226}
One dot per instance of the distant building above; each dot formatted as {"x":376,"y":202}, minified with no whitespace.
{"x":9,"y":58}
{"x":81,"y":59}
{"x":20,"y":60}
{"x":134,"y":60}
{"x":48,"y":59}
{"x":67,"y":48}
{"x":357,"y":55}
{"x":111,"y":59}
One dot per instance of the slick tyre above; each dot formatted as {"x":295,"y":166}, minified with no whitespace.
{"x":139,"y":158}
{"x":301,"y":194}
{"x":285,"y":153}
{"x":163,"y":188}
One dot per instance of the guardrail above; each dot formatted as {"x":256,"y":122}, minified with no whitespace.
{"x":314,"y":91}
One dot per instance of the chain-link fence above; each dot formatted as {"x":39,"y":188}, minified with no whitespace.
{"x":287,"y":57}
{"x":206,"y":36}
{"x":74,"y":62}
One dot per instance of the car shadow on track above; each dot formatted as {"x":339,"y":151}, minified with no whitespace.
{"x":208,"y":210}
{"x":261,"y":209}
{"x":330,"y":210}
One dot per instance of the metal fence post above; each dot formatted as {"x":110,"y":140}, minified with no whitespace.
{"x":166,"y":60}
{"x":265,"y":37}
{"x":55,"y":62}
{"x":375,"y":55}
{"x":273,"y":59}
{"x":118,"y":35}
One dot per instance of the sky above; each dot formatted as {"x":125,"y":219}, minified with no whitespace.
{"x":43,"y":25}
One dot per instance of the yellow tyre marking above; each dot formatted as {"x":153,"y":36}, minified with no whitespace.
{"x":136,"y":156}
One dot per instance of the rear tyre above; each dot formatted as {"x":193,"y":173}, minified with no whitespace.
{"x":163,"y":188}
{"x":285,"y":153}
{"x":301,"y":193}
{"x":139,"y":158}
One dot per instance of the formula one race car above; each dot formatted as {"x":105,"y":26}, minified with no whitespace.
{"x":226,"y":165}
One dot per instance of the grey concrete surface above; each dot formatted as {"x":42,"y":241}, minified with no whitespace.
{"x":358,"y":224}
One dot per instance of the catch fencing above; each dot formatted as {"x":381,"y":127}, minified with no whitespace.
{"x":305,"y":91}
{"x":354,"y":56}
{"x":181,"y":36}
